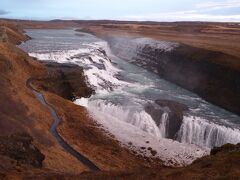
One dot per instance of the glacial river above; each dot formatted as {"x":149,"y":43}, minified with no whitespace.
{"x":122,"y":92}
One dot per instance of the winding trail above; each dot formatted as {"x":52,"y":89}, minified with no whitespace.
{"x":55,"y":133}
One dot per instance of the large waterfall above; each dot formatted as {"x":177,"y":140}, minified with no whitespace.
{"x":123,"y":90}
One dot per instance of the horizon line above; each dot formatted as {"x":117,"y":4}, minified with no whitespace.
{"x":117,"y":20}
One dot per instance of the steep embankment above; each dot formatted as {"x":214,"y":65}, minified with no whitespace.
{"x":22,"y":113}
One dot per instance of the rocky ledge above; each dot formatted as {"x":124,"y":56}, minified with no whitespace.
{"x":65,"y":80}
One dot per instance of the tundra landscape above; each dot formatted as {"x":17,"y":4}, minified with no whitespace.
{"x":113,"y":99}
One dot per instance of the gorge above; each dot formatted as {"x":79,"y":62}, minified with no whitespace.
{"x":135,"y":98}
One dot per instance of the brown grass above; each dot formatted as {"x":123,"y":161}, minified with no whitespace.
{"x":212,"y":37}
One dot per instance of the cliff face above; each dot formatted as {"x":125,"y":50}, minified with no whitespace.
{"x":198,"y":70}
{"x":65,"y":80}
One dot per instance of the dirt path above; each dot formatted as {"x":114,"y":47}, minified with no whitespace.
{"x":55,"y":133}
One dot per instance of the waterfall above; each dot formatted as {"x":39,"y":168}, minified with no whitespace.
{"x":164,"y":124}
{"x":196,"y":130}
{"x":137,"y":118}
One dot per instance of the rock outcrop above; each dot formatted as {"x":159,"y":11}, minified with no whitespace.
{"x":65,"y":80}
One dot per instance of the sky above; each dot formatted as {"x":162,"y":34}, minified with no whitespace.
{"x":140,"y":10}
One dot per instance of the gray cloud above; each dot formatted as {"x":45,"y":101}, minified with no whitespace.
{"x":3,"y":12}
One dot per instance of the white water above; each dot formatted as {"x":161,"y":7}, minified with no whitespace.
{"x":163,"y":124}
{"x":123,"y":90}
{"x":203,"y":133}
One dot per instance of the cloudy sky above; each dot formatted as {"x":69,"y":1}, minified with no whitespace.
{"x":156,"y":10}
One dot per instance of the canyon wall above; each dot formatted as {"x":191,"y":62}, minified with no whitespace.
{"x":198,"y":70}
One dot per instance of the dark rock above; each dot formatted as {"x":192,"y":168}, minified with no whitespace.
{"x":175,"y":112}
{"x":65,"y":80}
{"x":153,"y":152}
{"x":20,"y":148}
{"x":225,"y":149}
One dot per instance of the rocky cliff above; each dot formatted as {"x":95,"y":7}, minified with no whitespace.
{"x":201,"y":71}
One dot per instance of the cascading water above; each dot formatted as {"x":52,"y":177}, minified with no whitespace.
{"x":122,"y":92}
{"x":164,"y":124}
{"x":198,"y":131}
